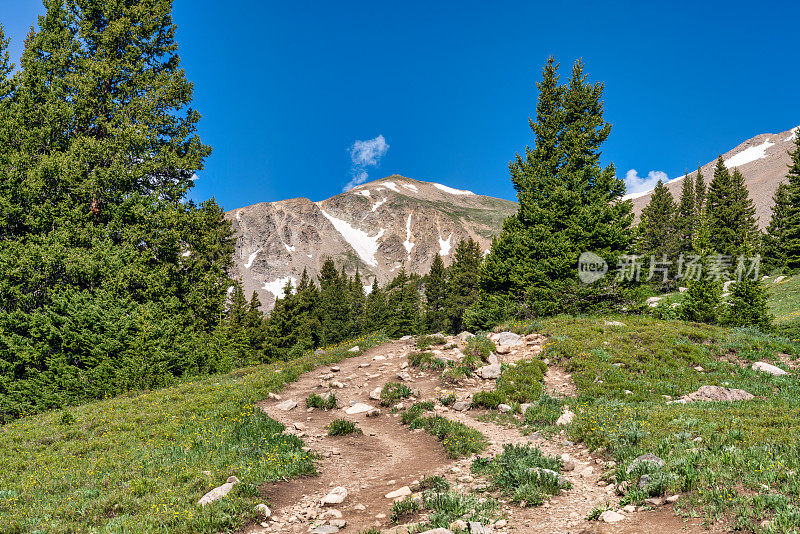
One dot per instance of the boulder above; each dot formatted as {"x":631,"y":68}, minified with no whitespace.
{"x":566,"y":418}
{"x":405,"y":491}
{"x":461,"y":406}
{"x":375,"y":394}
{"x":354,"y":349}
{"x":715,"y":394}
{"x":287,"y":405}
{"x":509,"y":339}
{"x":263,"y":511}
{"x":768,"y":368}
{"x":465,"y":336}
{"x":359,"y":407}
{"x":610,"y":516}
{"x":218,"y":492}
{"x":336,"y":496}
{"x":489,"y":372}
{"x":503,"y":349}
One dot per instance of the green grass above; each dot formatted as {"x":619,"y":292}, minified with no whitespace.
{"x":342,"y":427}
{"x":394,"y":392}
{"x":139,"y":463}
{"x":443,"y":507}
{"x":523,"y":474}
{"x":733,"y":461}
{"x":488,"y":399}
{"x":543,"y":412}
{"x":424,"y":342}
{"x":427,"y":360}
{"x":459,"y":440}
{"x":435,"y":483}
{"x":321,"y":403}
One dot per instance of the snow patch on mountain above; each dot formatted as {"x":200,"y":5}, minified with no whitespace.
{"x":411,"y":187}
{"x":251,"y":258}
{"x":793,"y":135}
{"x":407,"y":243}
{"x":445,"y":245}
{"x":748,"y":155}
{"x":289,"y":248}
{"x":366,"y":246}
{"x":392,"y":186}
{"x":364,"y":193}
{"x":378,"y":204}
{"x":276,"y":286}
{"x":452,"y":190}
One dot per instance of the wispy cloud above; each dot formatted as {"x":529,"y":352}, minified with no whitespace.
{"x":639,"y":184}
{"x":365,"y":154}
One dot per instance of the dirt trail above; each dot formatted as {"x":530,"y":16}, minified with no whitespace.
{"x":389,"y":456}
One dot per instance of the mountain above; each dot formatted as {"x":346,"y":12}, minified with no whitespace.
{"x":377,"y":227}
{"x":763,"y":160}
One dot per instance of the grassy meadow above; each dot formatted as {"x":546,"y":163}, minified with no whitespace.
{"x":139,"y":463}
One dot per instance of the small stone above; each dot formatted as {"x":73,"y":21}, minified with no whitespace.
{"x":375,"y":412}
{"x":629,"y":509}
{"x":500,"y":523}
{"x":503,"y":349}
{"x":264,"y":511}
{"x":459,"y":525}
{"x":614,"y":323}
{"x":287,"y":405}
{"x":299,"y":426}
{"x":489,"y":372}
{"x":566,"y":418}
{"x":405,"y":491}
{"x":673,"y":498}
{"x":610,"y":516}
{"x":359,"y":507}
{"x":568,"y":464}
{"x":359,"y":407}
{"x":655,"y":501}
{"x":218,"y":492}
{"x":338,"y":523}
{"x":765,"y":367}
{"x":325,"y":529}
{"x":354,"y":349}
{"x":404,"y":376}
{"x":504,"y":408}
{"x":461,"y":406}
{"x":336,"y":496}
{"x":375,"y":394}
{"x":524,"y":407}
{"x":477,"y":528}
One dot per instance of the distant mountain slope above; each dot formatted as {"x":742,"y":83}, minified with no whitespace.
{"x":763,"y":160}
{"x":378,"y":227}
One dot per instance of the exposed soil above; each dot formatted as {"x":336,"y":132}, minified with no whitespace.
{"x":389,"y":455}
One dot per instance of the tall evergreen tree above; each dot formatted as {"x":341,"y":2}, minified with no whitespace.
{"x":376,"y":310}
{"x":686,"y":216}
{"x":92,"y":196}
{"x":463,"y":279}
{"x":435,"y":296}
{"x":791,"y":240}
{"x":569,"y":204}
{"x":731,"y":213}
{"x":774,"y":246}
{"x":657,"y":230}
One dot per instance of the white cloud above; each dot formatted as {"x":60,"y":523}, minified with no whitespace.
{"x":640,"y":184}
{"x":365,"y":154}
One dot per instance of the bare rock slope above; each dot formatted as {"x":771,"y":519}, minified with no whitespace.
{"x":763,"y":160}
{"x":378,"y":227}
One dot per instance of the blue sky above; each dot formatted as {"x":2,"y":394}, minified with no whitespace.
{"x":287,"y":88}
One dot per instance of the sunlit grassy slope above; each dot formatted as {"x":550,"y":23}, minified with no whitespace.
{"x":138,"y":464}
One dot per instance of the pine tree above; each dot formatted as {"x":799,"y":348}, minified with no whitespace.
{"x":333,"y":309}
{"x":92,"y":191}
{"x":568,"y":203}
{"x":702,"y":239}
{"x":463,"y":279}
{"x":731,"y":214}
{"x":748,"y":305}
{"x":376,"y":311}
{"x":657,"y":232}
{"x":686,"y":216}
{"x":774,"y":246}
{"x":403,"y":304}
{"x":791,"y":236}
{"x":435,"y":297}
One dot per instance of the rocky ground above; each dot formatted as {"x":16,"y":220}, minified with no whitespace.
{"x":388,"y":460}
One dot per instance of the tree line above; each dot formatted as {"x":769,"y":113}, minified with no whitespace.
{"x":335,"y":307}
